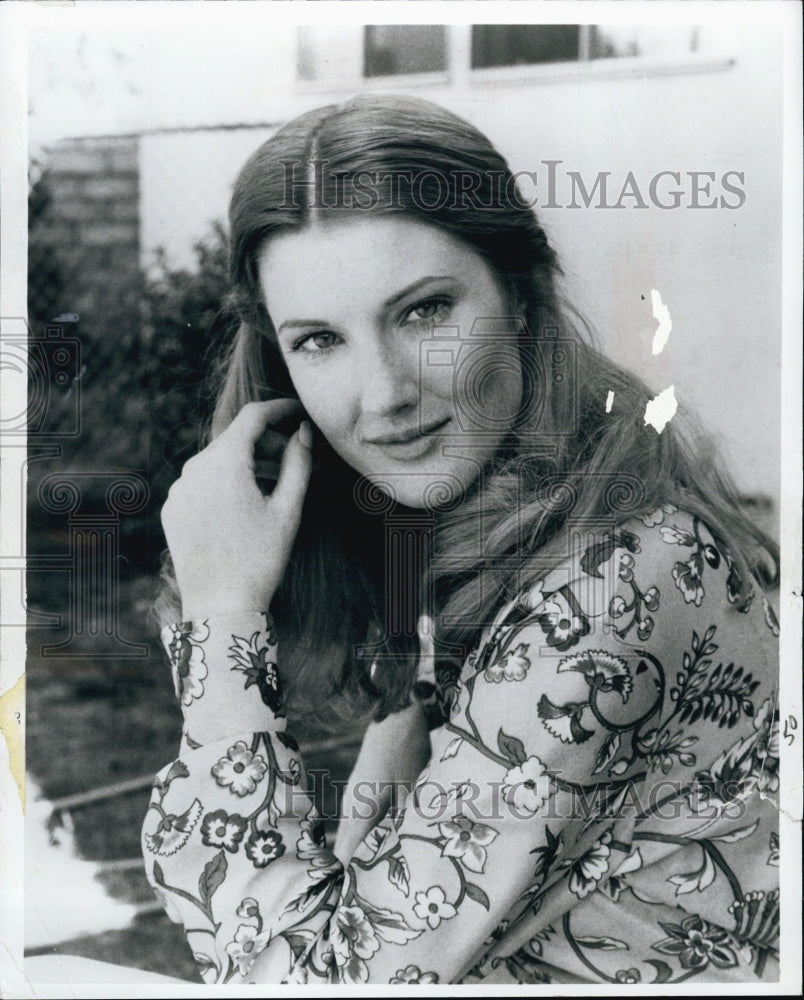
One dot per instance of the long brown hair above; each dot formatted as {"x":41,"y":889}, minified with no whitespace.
{"x":566,"y":459}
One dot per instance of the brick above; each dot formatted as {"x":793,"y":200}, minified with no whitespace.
{"x":106,"y":188}
{"x":73,"y":209}
{"x":59,"y":233}
{"x":122,"y":156}
{"x":109,"y":233}
{"x":124,"y":210}
{"x":63,"y":186}
{"x":78,"y":160}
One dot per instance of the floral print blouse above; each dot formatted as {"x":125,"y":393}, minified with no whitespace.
{"x":600,"y":804}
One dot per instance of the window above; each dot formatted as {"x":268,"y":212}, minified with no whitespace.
{"x":395,"y":49}
{"x":515,"y":44}
{"x":435,"y":53}
{"x":659,"y":41}
{"x":328,"y":54}
{"x":524,"y":44}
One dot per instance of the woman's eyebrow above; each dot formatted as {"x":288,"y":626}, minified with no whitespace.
{"x":415,"y":286}
{"x":291,"y":324}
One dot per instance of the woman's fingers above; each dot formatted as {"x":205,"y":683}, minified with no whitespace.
{"x":270,"y":445}
{"x":294,"y":474}
{"x":217,"y":515}
{"x":254,"y":418}
{"x":354,"y":825}
{"x":266,"y":469}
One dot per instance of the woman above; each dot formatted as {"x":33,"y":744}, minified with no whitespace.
{"x":414,"y":482}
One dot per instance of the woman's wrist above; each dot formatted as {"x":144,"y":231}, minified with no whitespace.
{"x":226,"y":675}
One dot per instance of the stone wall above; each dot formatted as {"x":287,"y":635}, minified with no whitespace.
{"x":92,"y":220}
{"x":85,"y":287}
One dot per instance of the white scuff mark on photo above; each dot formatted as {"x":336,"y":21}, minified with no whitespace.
{"x":63,"y":897}
{"x":609,"y":401}
{"x":662,"y":316}
{"x":661,"y":409}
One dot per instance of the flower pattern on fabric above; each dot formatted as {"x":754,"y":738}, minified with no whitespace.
{"x":240,"y":770}
{"x":433,"y":907}
{"x":600,"y":805}
{"x":514,"y":666}
{"x":562,"y":621}
{"x":312,"y":846}
{"x":603,"y":674}
{"x":246,"y":946}
{"x":770,"y":617}
{"x":252,"y":658}
{"x":527,"y":786}
{"x":220,"y":829}
{"x":173,"y":832}
{"x":756,"y":918}
{"x":590,"y":868}
{"x":353,"y":941}
{"x":186,"y":654}
{"x":687,"y":576}
{"x":697,"y":944}
{"x":249,"y":909}
{"x":263,"y":848}
{"x":467,"y":841}
{"x":749,"y":765}
{"x":413,"y":975}
{"x":657,"y":516}
{"x":601,"y":671}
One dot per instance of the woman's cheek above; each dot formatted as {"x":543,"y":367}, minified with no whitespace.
{"x":313,"y":392}
{"x":327,"y":411}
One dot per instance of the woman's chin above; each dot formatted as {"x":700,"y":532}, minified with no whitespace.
{"x":416,"y":490}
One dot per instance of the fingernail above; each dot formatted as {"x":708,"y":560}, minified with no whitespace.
{"x":306,"y":434}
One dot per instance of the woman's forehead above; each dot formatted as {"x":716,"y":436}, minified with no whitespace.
{"x":367,"y":255}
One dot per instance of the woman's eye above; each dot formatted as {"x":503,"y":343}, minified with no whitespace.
{"x":316,"y":343}
{"x":429,"y":310}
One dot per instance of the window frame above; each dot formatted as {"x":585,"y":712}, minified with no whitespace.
{"x":459,"y":71}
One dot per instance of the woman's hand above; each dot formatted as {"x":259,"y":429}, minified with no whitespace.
{"x":229,"y":543}
{"x":393,"y":754}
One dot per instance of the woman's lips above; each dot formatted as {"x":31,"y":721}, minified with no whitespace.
{"x":414,"y":443}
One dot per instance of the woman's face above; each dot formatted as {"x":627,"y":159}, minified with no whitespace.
{"x":384,"y":326}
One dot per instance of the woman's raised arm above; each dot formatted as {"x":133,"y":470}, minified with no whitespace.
{"x":228,"y":541}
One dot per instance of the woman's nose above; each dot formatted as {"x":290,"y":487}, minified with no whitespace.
{"x":390,"y":379}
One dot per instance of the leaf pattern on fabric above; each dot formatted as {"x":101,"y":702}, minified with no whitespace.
{"x":251,"y":657}
{"x":598,"y":806}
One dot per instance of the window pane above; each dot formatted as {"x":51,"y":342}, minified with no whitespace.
{"x":329,"y":53}
{"x":663,"y":41}
{"x":517,"y":44}
{"x":391,"y":49}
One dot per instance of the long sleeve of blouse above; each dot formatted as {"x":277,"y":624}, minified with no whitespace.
{"x":600,"y":804}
